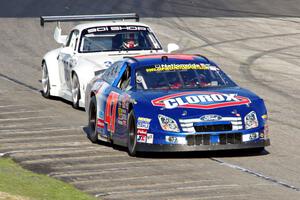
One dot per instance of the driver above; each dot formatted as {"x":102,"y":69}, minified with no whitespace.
{"x":130,"y":42}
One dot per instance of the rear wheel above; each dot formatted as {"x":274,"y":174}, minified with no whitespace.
{"x":75,"y":91}
{"x":45,"y":81}
{"x":92,"y":132}
{"x":131,"y":140}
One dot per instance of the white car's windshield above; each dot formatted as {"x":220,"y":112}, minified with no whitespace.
{"x":117,"y":38}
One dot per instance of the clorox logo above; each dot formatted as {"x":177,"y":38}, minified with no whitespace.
{"x":200,"y":100}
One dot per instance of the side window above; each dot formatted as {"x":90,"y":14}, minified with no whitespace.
{"x":72,"y":39}
{"x":112,"y":72}
{"x":124,"y":83}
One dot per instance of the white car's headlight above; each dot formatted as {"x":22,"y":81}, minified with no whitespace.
{"x":168,"y":124}
{"x":251,"y":120}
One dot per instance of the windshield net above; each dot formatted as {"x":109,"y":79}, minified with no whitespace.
{"x":117,"y":38}
{"x":181,"y":76}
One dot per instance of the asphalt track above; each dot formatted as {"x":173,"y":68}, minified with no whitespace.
{"x":256,"y":42}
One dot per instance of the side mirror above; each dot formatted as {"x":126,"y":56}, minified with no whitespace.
{"x":67,"y":50}
{"x":172,"y":47}
{"x":60,"y":39}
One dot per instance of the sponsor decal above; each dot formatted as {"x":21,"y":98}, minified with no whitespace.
{"x":176,"y":140}
{"x":100,"y":123}
{"x":176,"y":67}
{"x":210,"y":118}
{"x":143,"y":123}
{"x":116,"y":28}
{"x":149,"y":138}
{"x":142,"y":138}
{"x":142,"y":131}
{"x":180,"y":57}
{"x":249,"y":137}
{"x":101,"y":114}
{"x":145,"y":138}
{"x":200,"y":100}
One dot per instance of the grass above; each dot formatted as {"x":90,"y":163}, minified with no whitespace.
{"x":18,"y":182}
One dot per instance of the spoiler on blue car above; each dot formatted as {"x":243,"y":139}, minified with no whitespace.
{"x":68,"y":18}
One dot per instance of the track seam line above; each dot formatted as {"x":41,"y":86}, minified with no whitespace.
{"x":259,"y":175}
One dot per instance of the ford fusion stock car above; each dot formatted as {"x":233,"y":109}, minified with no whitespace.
{"x":89,"y":49}
{"x":174,"y":102}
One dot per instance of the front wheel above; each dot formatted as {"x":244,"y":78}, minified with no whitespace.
{"x":92,"y":132}
{"x":75,"y":91}
{"x":131,"y":138}
{"x":45,"y":81}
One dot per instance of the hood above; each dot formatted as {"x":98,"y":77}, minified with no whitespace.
{"x":183,"y":103}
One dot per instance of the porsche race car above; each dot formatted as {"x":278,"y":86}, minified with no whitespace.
{"x":174,"y":102}
{"x":89,"y":49}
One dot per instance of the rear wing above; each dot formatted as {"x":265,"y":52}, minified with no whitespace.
{"x":68,"y":18}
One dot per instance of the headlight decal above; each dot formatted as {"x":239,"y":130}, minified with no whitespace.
{"x":167,"y":123}
{"x":250,"y":120}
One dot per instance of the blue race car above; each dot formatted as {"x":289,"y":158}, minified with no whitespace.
{"x":173,"y":102}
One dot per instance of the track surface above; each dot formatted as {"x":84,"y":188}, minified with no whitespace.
{"x":261,"y":54}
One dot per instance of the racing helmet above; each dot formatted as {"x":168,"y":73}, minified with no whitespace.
{"x":130,"y":41}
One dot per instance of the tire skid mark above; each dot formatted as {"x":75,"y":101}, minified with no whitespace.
{"x":246,"y":71}
{"x":240,"y":40}
{"x":15,"y":81}
{"x":259,"y":175}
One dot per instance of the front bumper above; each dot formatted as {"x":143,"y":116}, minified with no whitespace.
{"x":212,"y":147}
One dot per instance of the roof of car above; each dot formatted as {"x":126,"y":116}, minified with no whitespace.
{"x":80,"y":27}
{"x":152,"y":59}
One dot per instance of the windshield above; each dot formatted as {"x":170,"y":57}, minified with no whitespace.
{"x":181,"y":76}
{"x":117,"y":38}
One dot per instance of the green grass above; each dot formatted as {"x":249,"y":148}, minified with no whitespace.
{"x":17,"y":181}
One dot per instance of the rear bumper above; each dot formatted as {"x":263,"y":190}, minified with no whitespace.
{"x":212,"y":147}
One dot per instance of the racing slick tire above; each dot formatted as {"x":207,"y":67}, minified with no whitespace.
{"x":45,"y":81}
{"x":131,"y":139}
{"x":92,"y":130}
{"x":75,"y":91}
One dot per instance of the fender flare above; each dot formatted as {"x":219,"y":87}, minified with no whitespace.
{"x":84,"y":78}
{"x":50,"y":59}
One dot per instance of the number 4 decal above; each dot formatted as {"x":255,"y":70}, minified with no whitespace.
{"x":110,"y":111}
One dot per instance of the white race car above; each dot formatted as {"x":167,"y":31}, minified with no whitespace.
{"x":91,"y":48}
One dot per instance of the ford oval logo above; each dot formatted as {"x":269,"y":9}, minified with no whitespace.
{"x":210,"y":118}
